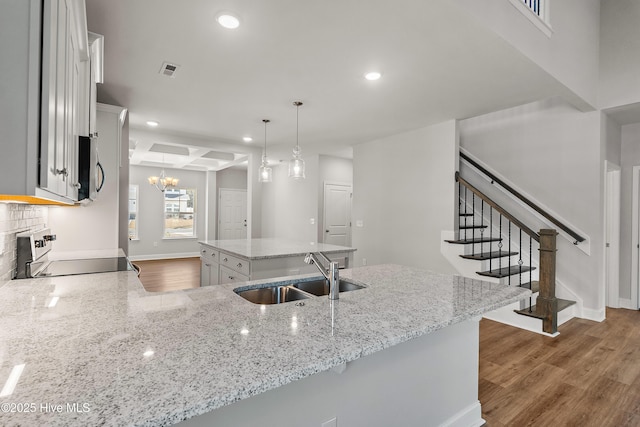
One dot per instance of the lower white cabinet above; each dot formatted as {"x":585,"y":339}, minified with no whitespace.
{"x":228,"y":275}
{"x":209,"y":272}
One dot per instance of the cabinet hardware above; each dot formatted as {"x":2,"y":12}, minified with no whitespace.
{"x":239,"y":265}
{"x":208,"y":265}
{"x":225,"y":259}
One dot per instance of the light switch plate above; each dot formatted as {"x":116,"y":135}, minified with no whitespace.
{"x":359,"y":223}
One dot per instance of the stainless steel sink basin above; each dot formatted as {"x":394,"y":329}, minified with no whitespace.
{"x":272,"y":295}
{"x":321,"y":287}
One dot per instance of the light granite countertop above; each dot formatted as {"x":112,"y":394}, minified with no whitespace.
{"x":272,"y":248}
{"x":124,"y":356}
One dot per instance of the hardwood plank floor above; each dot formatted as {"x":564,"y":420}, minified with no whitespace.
{"x":169,"y":274}
{"x":587,"y":376}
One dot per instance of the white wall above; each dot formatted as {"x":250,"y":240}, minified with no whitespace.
{"x":571,"y":54}
{"x":630,"y":157}
{"x":95,"y":225}
{"x":151,"y":215}
{"x":619,"y":52}
{"x":404,"y":193}
{"x":554,"y":153}
{"x":288,"y":205}
{"x":232,"y":178}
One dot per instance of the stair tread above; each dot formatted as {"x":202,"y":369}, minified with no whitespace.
{"x":476,"y":240}
{"x":469,"y":227}
{"x":562,"y":304}
{"x":488,"y":255}
{"x":506,"y":271}
{"x":535,"y":286}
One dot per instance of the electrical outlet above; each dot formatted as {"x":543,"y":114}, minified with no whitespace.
{"x":331,"y":423}
{"x":364,"y":261}
{"x":312,"y":221}
{"x":359,"y":223}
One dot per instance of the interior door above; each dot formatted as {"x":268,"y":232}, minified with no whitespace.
{"x":337,"y":214}
{"x":232,"y":214}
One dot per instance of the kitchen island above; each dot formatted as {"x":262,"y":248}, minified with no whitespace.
{"x":109,"y":353}
{"x":234,"y":261}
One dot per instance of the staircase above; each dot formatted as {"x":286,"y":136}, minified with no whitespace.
{"x":507,"y":251}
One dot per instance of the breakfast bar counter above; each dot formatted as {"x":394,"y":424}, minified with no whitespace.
{"x":109,"y":353}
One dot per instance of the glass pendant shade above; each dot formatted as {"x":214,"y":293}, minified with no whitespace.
{"x":265,"y":174}
{"x":296,"y":164}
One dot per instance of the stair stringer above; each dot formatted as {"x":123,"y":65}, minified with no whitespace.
{"x":506,"y":315}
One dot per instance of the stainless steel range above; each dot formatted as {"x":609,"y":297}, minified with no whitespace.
{"x":33,"y":247}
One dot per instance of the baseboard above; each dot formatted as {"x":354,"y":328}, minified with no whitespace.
{"x":471,"y":416}
{"x":597,"y":315}
{"x":627,"y":303}
{"x":152,"y":257}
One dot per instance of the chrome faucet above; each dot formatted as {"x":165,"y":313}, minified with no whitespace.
{"x":330,"y":273}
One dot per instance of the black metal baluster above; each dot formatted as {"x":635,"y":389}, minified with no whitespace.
{"x":520,"y":261}
{"x":500,"y":244}
{"x":465,"y":213}
{"x":490,"y":233}
{"x":481,"y":223}
{"x":509,"y":277}
{"x":530,"y":271}
{"x":473,"y":222}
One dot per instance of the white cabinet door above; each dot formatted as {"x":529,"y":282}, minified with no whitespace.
{"x":209,"y":272}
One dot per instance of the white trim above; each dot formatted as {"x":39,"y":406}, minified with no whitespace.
{"x":627,"y":303}
{"x":635,"y":206}
{"x":153,"y":257}
{"x":584,"y":246}
{"x":541,"y":23}
{"x":597,"y":315}
{"x":612,"y":234}
{"x":471,"y":416}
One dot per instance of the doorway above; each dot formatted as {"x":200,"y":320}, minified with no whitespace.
{"x":612,"y":235}
{"x":337,"y":214}
{"x":232,"y":214}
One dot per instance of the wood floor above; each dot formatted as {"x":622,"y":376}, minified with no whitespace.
{"x":587,"y":376}
{"x":169,"y":274}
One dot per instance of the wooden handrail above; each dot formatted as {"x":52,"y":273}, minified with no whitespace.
{"x":535,"y":236}
{"x":528,"y":202}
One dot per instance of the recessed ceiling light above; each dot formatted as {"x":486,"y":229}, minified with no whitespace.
{"x":373,"y":75}
{"x":152,"y":123}
{"x":228,"y":21}
{"x":247,"y":139}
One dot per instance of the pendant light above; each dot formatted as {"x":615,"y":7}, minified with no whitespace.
{"x":264,"y":172}
{"x":296,"y":164}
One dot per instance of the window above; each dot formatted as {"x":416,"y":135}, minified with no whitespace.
{"x":133,"y":212}
{"x":179,"y":213}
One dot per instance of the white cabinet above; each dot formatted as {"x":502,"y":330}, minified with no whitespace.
{"x":209,"y":267}
{"x":44,"y":45}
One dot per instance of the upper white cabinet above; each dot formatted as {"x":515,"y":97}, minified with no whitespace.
{"x":45,"y":55}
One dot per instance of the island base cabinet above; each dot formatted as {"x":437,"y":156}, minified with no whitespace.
{"x":228,"y":275}
{"x":431,"y":380}
{"x":209,"y":272}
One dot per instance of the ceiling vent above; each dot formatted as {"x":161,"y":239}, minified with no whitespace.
{"x":168,"y":69}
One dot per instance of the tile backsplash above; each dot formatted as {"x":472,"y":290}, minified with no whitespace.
{"x":16,"y":218}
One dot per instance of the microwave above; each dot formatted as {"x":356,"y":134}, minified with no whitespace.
{"x":90,"y":171}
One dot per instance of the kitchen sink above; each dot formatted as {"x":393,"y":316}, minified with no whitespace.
{"x":294,"y":291}
{"x":272,"y":295}
{"x":321,"y":287}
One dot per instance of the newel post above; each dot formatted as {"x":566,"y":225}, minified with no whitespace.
{"x":547,"y":303}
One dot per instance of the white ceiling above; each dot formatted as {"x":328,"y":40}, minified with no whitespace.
{"x":437,"y":64}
